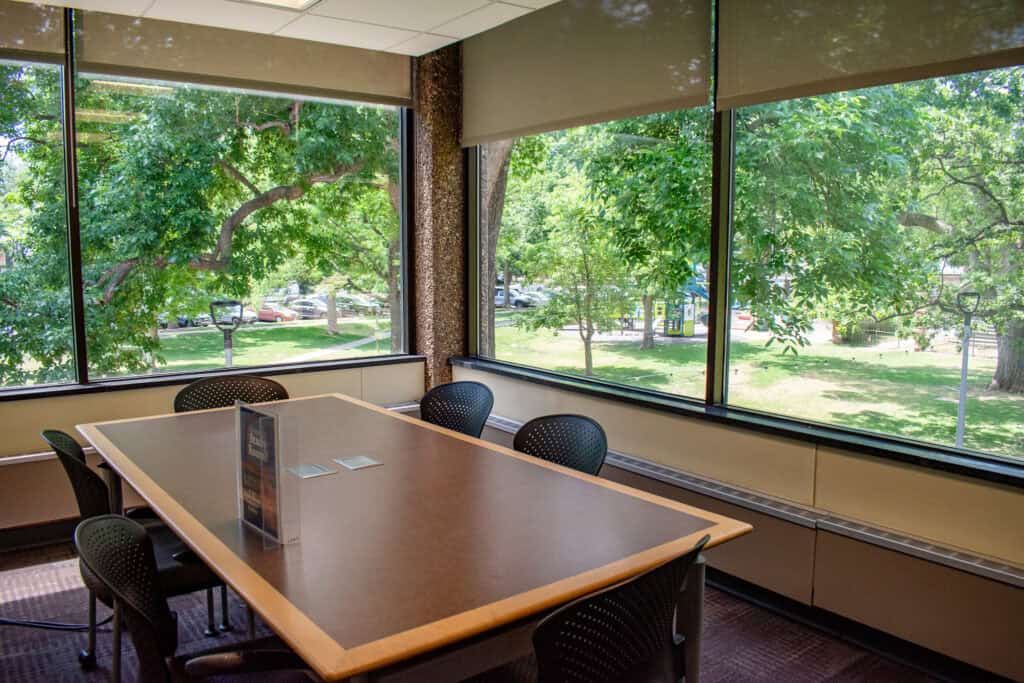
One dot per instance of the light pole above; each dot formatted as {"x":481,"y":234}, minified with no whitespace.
{"x":967,"y":303}
{"x":227,"y":316}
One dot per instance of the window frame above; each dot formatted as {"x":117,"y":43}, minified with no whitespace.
{"x":715,"y":407}
{"x":83,"y":384}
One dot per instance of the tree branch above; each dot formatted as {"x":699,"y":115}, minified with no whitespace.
{"x":237,"y":175}
{"x":921,"y":220}
{"x":20,"y":138}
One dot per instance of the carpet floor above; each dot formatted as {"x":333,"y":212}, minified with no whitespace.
{"x":743,"y":642}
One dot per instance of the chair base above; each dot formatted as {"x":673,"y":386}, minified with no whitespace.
{"x":87,"y":660}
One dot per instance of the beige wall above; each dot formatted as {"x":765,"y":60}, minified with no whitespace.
{"x":37,"y":491}
{"x":951,"y":510}
{"x":780,"y":467}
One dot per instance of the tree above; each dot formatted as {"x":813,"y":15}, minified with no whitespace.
{"x":187,"y":189}
{"x":656,"y":171}
{"x":581,"y":264}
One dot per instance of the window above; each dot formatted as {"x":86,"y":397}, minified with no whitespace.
{"x":36,"y":344}
{"x":594,"y":244}
{"x":191,"y":195}
{"x":859,"y":218}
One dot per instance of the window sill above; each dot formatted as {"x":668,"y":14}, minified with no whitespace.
{"x":973,"y":464}
{"x":171,"y":379}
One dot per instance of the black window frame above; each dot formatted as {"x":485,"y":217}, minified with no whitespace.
{"x":82,"y":383}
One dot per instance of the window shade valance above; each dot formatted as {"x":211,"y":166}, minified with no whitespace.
{"x":585,"y":61}
{"x":782,"y":49}
{"x":129,"y":46}
{"x":31,"y":31}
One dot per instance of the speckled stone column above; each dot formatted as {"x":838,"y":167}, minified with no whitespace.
{"x":439,"y":239}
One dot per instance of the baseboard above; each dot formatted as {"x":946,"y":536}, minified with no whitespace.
{"x":933,"y":663}
{"x":37,"y":535}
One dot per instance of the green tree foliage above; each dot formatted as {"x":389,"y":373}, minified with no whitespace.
{"x":186,"y":194}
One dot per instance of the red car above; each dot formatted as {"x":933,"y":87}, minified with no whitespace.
{"x":274,"y":313}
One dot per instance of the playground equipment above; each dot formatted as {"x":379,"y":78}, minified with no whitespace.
{"x":678,"y":316}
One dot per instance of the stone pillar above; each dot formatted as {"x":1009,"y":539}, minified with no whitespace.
{"x":439,"y":235}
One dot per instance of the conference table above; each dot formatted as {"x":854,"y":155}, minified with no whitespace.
{"x":434,"y":564}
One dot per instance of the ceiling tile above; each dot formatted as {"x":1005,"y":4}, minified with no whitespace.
{"x":480,"y":20}
{"x":327,"y":30}
{"x":132,"y":7}
{"x":416,"y":16}
{"x":422,"y":44}
{"x":223,"y":14}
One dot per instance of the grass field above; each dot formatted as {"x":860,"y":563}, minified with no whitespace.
{"x":262,"y":344}
{"x":894,"y":391}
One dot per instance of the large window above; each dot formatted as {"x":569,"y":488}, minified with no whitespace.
{"x":860,"y":217}
{"x":190,"y":195}
{"x":868,"y":226}
{"x":594,"y":249}
{"x":36,"y":344}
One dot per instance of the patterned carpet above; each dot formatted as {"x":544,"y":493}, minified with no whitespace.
{"x":743,"y":642}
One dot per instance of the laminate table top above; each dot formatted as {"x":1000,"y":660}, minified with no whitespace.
{"x":450,"y":537}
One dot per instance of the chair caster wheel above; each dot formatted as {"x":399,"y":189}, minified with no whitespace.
{"x":87,"y":660}
{"x":210,"y":632}
{"x":226,"y":628}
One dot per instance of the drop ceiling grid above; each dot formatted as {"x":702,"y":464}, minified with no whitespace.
{"x":412,"y":27}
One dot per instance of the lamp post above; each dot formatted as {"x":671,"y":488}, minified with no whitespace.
{"x":967,"y":303}
{"x":227,"y":316}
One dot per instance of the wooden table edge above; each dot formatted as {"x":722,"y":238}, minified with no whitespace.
{"x":326,"y":656}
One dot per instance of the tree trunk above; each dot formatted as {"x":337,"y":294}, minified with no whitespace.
{"x":588,"y":356}
{"x":494,"y":164}
{"x":1009,"y":374}
{"x":395,"y":295}
{"x":648,"y":340}
{"x":332,"y":311}
{"x":507,"y":276}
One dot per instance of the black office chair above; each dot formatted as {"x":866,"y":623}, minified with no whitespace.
{"x":622,"y":634}
{"x":119,"y":553}
{"x":459,"y":406}
{"x":574,"y":441}
{"x":222,"y":392}
{"x":180,"y":571}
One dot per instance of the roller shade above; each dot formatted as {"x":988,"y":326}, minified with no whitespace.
{"x":31,"y":32}
{"x":584,"y":61}
{"x":149,"y":48}
{"x":773,"y":50}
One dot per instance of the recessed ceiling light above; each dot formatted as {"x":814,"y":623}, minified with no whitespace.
{"x":299,"y":5}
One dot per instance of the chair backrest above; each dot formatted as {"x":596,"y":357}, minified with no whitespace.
{"x":575,"y":441}
{"x":622,"y":634}
{"x":119,"y":553}
{"x":460,"y":406}
{"x":91,"y":493}
{"x":222,"y":392}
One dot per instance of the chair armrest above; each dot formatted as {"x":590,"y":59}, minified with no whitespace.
{"x":244,"y":661}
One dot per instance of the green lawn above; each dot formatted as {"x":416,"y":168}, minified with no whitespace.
{"x":895,"y":391}
{"x":262,"y":344}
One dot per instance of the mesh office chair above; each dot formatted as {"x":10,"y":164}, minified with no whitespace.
{"x":574,"y":441}
{"x":222,"y":392}
{"x":179,"y":570}
{"x":459,"y":406}
{"x":622,"y":634}
{"x":119,"y":553}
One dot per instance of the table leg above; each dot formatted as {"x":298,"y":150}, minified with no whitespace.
{"x":691,"y":619}
{"x":114,"y":491}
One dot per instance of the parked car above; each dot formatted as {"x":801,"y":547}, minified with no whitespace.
{"x":197,"y":320}
{"x":275,"y":313}
{"x":249,"y":316}
{"x":516,"y":298}
{"x":357,"y":303}
{"x":309,"y":308}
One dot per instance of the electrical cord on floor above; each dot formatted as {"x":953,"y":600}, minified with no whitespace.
{"x":51,"y":625}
